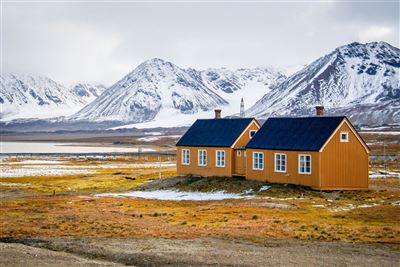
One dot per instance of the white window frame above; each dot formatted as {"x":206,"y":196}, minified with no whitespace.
{"x":258,"y":168}
{"x":199,"y":157}
{"x":220,"y":162}
{"x":278,"y":157}
{"x":252,"y":131}
{"x":347,"y":137}
{"x":239,"y":153}
{"x":299,"y":164}
{"x":183,"y":156}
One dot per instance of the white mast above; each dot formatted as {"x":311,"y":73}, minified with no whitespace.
{"x":242,"y":114}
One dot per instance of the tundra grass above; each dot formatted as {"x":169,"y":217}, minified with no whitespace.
{"x":110,"y":217}
{"x":352,"y":216}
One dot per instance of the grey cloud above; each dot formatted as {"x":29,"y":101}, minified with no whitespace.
{"x":104,"y":41}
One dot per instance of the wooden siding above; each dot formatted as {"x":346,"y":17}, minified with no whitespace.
{"x":244,"y":138}
{"x":291,"y":176}
{"x":344,"y":165}
{"x":210,"y":169}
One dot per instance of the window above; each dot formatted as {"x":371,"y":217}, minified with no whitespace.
{"x":258,"y":161}
{"x":304,"y":164}
{"x":202,"y":158}
{"x":344,"y":136}
{"x":280,"y":162}
{"x":220,"y":158}
{"x":252,"y":133}
{"x":185,"y":156}
{"x":239,"y":153}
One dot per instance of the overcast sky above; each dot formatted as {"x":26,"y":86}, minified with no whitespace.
{"x":101,"y":42}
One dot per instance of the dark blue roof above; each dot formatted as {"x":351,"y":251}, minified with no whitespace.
{"x":304,"y":133}
{"x":214,"y":132}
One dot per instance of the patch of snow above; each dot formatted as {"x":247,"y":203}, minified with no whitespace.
{"x":383,"y":132}
{"x":153,"y":133}
{"x":178,"y":195}
{"x":33,"y":162}
{"x":14,"y":184}
{"x":48,"y":147}
{"x":264,"y":188}
{"x":148,"y":138}
{"x":351,"y":207}
{"x":20,"y":172}
{"x":396,"y":203}
{"x":384,"y":174}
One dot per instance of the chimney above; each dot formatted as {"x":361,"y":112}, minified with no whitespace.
{"x":320,"y":110}
{"x":217,"y":113}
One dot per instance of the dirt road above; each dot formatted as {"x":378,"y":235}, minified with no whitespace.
{"x":194,"y":252}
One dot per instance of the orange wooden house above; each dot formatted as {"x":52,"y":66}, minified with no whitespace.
{"x":215,"y":147}
{"x":324,"y":153}
{"x":321,"y":152}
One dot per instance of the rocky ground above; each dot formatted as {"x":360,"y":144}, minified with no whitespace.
{"x":190,"y":252}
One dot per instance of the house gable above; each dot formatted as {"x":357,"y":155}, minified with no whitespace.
{"x":244,"y":137}
{"x":355,"y":133}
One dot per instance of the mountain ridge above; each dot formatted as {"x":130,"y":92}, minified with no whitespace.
{"x":350,"y":78}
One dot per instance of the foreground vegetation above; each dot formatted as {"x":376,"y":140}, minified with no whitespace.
{"x":56,"y":206}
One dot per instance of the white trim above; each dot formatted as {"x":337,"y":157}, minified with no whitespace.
{"x":281,"y":154}
{"x":183,"y":157}
{"x":248,"y":126}
{"x":263,"y":161}
{"x":298,"y":164}
{"x":216,"y":159}
{"x":238,"y":153}
{"x":346,"y":140}
{"x":352,"y":129}
{"x":198,"y":157}
{"x":252,"y":131}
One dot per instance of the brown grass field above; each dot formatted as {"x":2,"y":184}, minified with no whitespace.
{"x":66,"y":206}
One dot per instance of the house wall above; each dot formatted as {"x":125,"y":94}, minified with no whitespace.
{"x":291,"y":176}
{"x":344,"y":165}
{"x":245,"y":137}
{"x":210,"y":169}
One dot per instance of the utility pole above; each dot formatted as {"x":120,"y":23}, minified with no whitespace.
{"x":384,"y":157}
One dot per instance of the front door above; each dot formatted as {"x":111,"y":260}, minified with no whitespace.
{"x":239,"y":162}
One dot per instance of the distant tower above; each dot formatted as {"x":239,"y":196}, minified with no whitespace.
{"x":242,"y":114}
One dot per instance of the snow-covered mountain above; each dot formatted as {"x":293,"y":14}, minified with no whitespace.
{"x":34,"y":96}
{"x":160,"y":90}
{"x":88,"y":91}
{"x":358,"y":80}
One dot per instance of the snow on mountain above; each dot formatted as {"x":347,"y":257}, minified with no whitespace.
{"x":34,"y":96}
{"x":161,"y":91}
{"x":358,"y":80}
{"x":88,"y":91}
{"x":249,"y":84}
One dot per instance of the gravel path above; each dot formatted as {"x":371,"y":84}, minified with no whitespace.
{"x":26,"y":256}
{"x":194,"y":252}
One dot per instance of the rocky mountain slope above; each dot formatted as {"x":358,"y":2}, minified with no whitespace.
{"x":359,"y":80}
{"x":158,"y":89}
{"x":88,"y":91}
